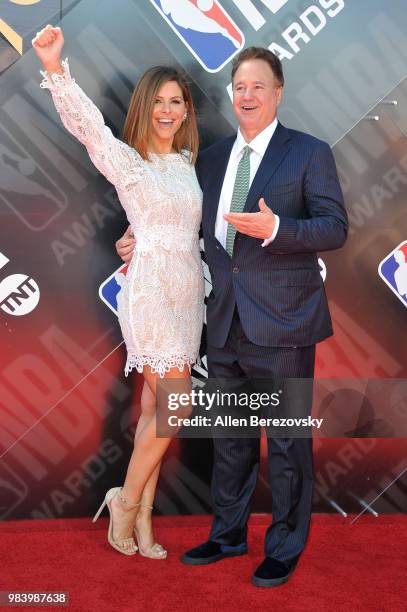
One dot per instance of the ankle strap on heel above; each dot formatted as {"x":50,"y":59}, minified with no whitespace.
{"x":126,"y":502}
{"x":146,"y":506}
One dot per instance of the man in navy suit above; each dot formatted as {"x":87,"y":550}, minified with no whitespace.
{"x":271,"y":201}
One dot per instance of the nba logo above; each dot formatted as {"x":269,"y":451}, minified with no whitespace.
{"x":33,"y":188}
{"x":13,"y":491}
{"x":393,"y":270}
{"x":110,"y":288}
{"x":205,"y":29}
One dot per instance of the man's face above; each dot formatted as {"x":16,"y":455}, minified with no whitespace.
{"x":256,"y":96}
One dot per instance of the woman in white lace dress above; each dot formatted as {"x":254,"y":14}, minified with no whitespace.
{"x":161,"y":302}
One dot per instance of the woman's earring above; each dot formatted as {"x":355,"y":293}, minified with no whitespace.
{"x":185,"y":116}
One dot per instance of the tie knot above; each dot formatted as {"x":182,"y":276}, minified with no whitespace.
{"x":246,"y":151}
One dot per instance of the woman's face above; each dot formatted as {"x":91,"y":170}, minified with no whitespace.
{"x":168,"y":114}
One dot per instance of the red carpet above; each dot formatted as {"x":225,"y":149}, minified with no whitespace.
{"x":344,"y":568}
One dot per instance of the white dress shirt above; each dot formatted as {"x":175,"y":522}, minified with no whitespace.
{"x":258,"y":145}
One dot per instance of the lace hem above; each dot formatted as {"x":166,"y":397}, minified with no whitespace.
{"x":55,"y":81}
{"x":159,"y":365}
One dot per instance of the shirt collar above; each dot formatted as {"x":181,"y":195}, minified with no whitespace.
{"x":260,"y":143}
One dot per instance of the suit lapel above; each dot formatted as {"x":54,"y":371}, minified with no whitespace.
{"x":276,"y":151}
{"x":215,"y":181}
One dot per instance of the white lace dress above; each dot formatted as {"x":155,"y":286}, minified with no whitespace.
{"x":161,"y":302}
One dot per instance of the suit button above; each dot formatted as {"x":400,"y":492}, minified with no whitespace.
{"x":235,"y":269}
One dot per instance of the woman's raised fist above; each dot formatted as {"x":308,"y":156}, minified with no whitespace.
{"x":48,"y":45}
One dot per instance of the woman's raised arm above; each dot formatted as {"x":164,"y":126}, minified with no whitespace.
{"x":81,"y":117}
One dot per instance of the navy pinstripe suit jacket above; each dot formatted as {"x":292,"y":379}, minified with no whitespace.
{"x":278,"y":289}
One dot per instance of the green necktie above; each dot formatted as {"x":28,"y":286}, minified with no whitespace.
{"x":240,"y":191}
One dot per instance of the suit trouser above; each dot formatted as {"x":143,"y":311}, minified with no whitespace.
{"x":236,"y":460}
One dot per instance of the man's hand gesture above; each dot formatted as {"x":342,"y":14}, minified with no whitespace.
{"x":258,"y":225}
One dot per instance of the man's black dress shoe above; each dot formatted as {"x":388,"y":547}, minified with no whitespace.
{"x":272,"y":573}
{"x":210,"y":552}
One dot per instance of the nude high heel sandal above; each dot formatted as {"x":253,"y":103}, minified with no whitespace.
{"x":117,"y":544}
{"x":156,"y":551}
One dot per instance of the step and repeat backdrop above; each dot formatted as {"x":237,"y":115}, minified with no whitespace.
{"x":67,"y":413}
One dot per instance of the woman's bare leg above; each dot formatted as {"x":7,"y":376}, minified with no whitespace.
{"x":145,"y":459}
{"x":148,"y":410}
{"x":143,"y":518}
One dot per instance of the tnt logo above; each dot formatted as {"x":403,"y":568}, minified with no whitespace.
{"x":110,"y":288}
{"x":393,"y":270}
{"x":205,"y":29}
{"x":19,"y":294}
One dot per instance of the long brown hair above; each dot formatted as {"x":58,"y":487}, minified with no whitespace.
{"x":137,"y":127}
